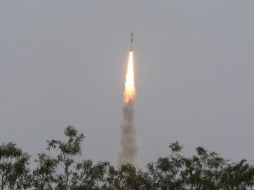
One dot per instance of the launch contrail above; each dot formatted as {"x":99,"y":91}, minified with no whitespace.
{"x":129,"y":136}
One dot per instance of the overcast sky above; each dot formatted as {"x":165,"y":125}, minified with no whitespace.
{"x":63,"y":63}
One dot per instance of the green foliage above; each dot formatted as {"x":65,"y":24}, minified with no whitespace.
{"x":67,"y":151}
{"x":14,"y":173}
{"x":44,"y":175}
{"x":59,"y":169}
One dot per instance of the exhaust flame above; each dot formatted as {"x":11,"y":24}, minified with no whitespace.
{"x":129,"y":133}
{"x":129,"y":91}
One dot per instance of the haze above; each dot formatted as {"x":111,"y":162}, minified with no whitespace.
{"x":63,"y":63}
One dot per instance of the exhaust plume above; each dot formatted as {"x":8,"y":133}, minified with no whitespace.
{"x":129,"y":138}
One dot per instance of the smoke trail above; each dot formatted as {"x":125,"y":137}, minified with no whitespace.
{"x":129,"y":136}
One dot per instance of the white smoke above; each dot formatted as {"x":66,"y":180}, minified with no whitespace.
{"x":129,"y":137}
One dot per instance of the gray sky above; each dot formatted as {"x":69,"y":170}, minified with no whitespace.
{"x":63,"y":62}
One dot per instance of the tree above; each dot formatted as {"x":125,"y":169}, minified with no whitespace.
{"x":14,"y":172}
{"x":44,"y":176}
{"x":67,"y":151}
{"x":167,"y":172}
{"x":90,"y":177}
{"x":58,"y":169}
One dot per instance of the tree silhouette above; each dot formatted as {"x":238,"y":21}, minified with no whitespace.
{"x":67,"y":151}
{"x":14,"y":172}
{"x":58,"y":169}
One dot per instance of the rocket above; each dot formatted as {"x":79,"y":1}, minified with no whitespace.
{"x":131,"y":41}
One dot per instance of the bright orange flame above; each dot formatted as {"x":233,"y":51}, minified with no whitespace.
{"x":129,"y":91}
